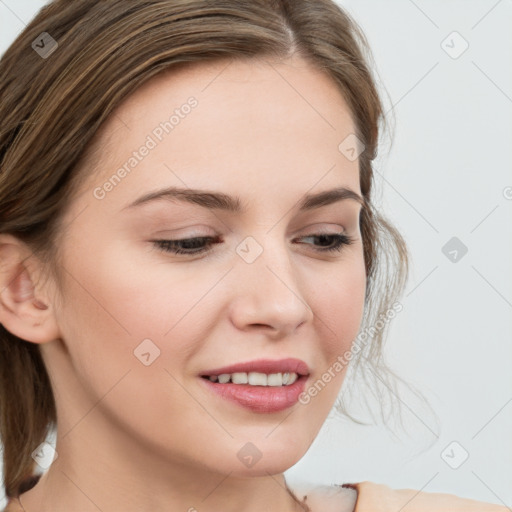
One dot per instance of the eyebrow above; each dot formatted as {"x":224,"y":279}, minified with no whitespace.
{"x":220,"y":201}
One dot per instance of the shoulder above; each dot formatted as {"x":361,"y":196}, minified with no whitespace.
{"x":325,"y":498}
{"x":375,"y":497}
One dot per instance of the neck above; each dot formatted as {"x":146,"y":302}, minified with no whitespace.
{"x":91,"y":478}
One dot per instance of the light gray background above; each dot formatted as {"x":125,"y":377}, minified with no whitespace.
{"x":445,"y":176}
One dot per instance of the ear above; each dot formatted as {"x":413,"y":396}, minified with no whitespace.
{"x":24,"y":311}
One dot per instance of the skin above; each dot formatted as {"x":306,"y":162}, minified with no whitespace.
{"x":133,"y":437}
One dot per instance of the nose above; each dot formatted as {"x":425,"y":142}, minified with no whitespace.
{"x":268,"y":293}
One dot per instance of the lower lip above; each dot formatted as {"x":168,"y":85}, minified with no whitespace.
{"x":262,"y":399}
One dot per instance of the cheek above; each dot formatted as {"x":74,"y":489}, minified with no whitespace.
{"x":340,"y":305}
{"x":125,"y":309}
{"x":114,"y":321}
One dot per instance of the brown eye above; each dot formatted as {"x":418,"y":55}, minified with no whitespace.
{"x":331,"y":241}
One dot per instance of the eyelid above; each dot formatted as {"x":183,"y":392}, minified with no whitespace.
{"x":307,"y":231}
{"x":181,"y":233}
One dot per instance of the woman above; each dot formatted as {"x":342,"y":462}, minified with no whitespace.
{"x":188,"y":247}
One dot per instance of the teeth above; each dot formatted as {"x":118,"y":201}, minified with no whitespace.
{"x":239,"y":378}
{"x":275,"y":379}
{"x":289,"y":378}
{"x":256,"y":378}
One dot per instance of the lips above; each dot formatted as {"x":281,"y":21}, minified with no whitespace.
{"x":259,"y":398}
{"x":268,"y":366}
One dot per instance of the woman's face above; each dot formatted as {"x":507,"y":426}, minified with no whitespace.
{"x":141,"y":326}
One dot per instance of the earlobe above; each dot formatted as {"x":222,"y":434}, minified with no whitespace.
{"x":24,"y":312}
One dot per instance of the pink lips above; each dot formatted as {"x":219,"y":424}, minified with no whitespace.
{"x":262,"y":399}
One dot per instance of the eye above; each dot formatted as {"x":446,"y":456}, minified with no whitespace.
{"x":187,"y":245}
{"x":329,"y":242}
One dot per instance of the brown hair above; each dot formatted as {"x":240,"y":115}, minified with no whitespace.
{"x":52,"y":107}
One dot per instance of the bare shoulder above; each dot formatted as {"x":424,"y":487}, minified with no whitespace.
{"x":377,"y":497}
{"x":327,"y":498}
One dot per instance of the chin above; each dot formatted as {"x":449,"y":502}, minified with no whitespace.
{"x":264,"y":455}
{"x":272,"y":466}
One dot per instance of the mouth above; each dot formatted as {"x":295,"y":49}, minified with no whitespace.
{"x":259,"y":370}
{"x":263,"y":386}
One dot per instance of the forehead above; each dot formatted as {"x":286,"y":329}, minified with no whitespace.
{"x":278,"y":91}
{"x":253,"y":120}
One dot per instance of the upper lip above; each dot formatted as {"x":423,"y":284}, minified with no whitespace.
{"x":289,"y":365}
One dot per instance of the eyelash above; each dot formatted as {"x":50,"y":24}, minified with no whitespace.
{"x":340,"y":239}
